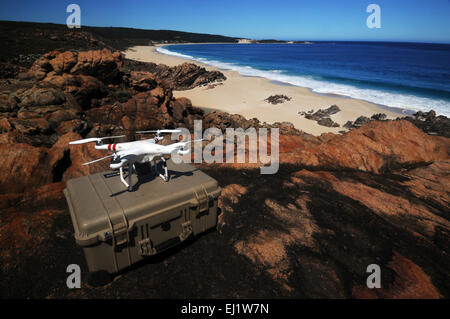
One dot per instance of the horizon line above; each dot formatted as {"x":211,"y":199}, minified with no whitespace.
{"x":237,"y":37}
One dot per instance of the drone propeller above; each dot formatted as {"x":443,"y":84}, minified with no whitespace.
{"x":159,"y":131}
{"x":94,"y":139}
{"x":98,"y":160}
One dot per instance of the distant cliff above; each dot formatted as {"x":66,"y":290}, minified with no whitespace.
{"x":24,"y":38}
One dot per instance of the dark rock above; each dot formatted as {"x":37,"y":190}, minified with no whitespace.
{"x":223,"y":120}
{"x":10,"y":70}
{"x":333,"y":109}
{"x":378,"y":117}
{"x":326,"y":121}
{"x":286,"y":128}
{"x":181,"y":77}
{"x":277,"y":99}
{"x":322,"y":116}
{"x":430,"y":123}
{"x":349,"y":125}
{"x":361,"y":120}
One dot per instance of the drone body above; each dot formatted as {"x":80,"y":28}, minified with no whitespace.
{"x":127,"y":153}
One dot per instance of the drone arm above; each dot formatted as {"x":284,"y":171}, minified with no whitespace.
{"x":98,"y":160}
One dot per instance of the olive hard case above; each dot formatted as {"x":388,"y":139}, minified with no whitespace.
{"x":118,"y":228}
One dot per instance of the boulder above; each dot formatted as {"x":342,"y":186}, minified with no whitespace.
{"x":277,"y":99}
{"x":5,"y":125}
{"x":8,"y":102}
{"x":142,"y":81}
{"x":378,"y":117}
{"x":361,"y":120}
{"x":179,"y":108}
{"x":41,"y":97}
{"x":322,"y":116}
{"x":64,"y":62}
{"x":83,"y":88}
{"x":102,"y":64}
{"x":326,"y":121}
{"x":23,"y":168}
{"x":76,"y":125}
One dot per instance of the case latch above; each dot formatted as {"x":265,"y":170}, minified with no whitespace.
{"x":203,"y":200}
{"x":120,"y":233}
{"x":146,"y":248}
{"x":186,"y":230}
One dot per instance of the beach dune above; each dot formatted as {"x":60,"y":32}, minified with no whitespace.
{"x":246,"y":96}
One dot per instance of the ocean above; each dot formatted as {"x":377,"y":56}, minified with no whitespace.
{"x":413,"y":76}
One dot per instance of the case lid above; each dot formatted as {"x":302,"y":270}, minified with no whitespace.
{"x":102,"y":208}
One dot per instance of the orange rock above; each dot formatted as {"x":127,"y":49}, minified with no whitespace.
{"x":23,"y":168}
{"x":410,"y":282}
{"x":376,"y":147}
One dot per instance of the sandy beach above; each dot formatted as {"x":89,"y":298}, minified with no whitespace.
{"x":245,"y":96}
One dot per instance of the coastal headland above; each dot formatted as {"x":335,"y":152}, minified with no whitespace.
{"x":245,"y":95}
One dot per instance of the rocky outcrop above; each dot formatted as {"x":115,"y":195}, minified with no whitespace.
{"x":151,"y":109}
{"x":324,"y":229}
{"x":363,"y":120}
{"x":181,"y":77}
{"x":371,"y":149}
{"x":101,"y":64}
{"x":224,"y":120}
{"x":86,"y":92}
{"x":322,"y":116}
{"x":430,"y":123}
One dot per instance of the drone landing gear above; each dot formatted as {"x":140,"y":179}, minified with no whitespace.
{"x":131,"y":167}
{"x":165,"y":177}
{"x":130,"y":173}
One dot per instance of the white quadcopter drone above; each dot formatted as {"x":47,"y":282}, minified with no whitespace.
{"x":142,"y":151}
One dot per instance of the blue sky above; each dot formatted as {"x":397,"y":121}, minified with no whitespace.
{"x":401,"y":20}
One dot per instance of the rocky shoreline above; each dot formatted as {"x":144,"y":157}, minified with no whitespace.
{"x":376,"y":194}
